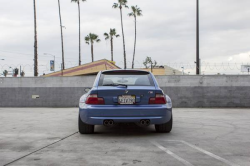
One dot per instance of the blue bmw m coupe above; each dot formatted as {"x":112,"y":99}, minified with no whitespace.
{"x":125,"y":96}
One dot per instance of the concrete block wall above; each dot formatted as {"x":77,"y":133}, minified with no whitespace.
{"x":207,"y":91}
{"x":185,"y":91}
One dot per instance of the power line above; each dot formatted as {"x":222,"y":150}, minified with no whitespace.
{"x":40,"y":55}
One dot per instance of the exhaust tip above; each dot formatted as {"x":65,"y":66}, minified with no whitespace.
{"x":108,"y":123}
{"x":111,"y":122}
{"x":145,"y":122}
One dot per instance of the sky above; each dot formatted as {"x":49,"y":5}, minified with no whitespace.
{"x":166,"y":32}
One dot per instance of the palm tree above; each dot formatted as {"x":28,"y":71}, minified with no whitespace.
{"x":35,"y":42}
{"x":119,"y":5}
{"x":136,"y":12}
{"x":111,"y":35}
{"x":90,"y":39}
{"x":63,"y":65}
{"x":79,"y":15}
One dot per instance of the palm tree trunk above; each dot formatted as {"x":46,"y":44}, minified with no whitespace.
{"x":124,"y":48}
{"x":133,"y":62}
{"x":112,"y":51}
{"x":63,"y":65}
{"x":92,"y":52}
{"x":79,"y":13}
{"x":35,"y":43}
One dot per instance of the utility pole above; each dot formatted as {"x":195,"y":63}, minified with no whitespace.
{"x":35,"y":43}
{"x":63,"y":65}
{"x":197,"y":40}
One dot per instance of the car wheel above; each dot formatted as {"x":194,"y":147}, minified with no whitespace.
{"x":164,"y":128}
{"x":85,"y":128}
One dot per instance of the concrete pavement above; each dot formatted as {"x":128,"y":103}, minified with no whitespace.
{"x":48,"y":136}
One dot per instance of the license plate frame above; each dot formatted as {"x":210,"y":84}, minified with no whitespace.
{"x":127,"y":99}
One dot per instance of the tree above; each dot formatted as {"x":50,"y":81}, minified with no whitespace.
{"x":90,"y":39}
{"x":111,"y":35}
{"x":63,"y":65}
{"x":136,"y":12}
{"x":5,"y":73}
{"x":79,"y":15}
{"x":22,"y":74}
{"x":148,"y":63}
{"x":15,"y":72}
{"x":35,"y":42}
{"x":120,"y":4}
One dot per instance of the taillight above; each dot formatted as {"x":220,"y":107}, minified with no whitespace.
{"x":94,"y":100}
{"x":158,"y":99}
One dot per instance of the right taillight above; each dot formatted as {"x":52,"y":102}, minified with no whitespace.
{"x":94,"y":100}
{"x":158,"y":99}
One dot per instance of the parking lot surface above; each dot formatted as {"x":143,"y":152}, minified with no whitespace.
{"x":49,"y":136}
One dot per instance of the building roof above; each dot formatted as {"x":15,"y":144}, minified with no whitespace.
{"x":171,"y":71}
{"x":86,"y":69}
{"x":166,"y":70}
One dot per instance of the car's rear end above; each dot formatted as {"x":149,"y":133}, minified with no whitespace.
{"x":121,"y":96}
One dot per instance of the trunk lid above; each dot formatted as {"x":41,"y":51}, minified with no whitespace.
{"x":112,"y":93}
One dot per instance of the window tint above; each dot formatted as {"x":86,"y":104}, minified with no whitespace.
{"x":126,"y":79}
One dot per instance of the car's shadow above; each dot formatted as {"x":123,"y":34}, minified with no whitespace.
{"x":126,"y":130}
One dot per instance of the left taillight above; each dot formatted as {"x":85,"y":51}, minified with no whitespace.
{"x":158,"y":99}
{"x":93,"y":99}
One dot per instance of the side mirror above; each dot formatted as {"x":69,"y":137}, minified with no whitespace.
{"x":87,"y":90}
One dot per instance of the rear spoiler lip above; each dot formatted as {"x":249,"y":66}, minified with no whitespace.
{"x":125,"y":71}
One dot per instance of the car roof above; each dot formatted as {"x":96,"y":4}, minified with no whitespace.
{"x":125,"y":71}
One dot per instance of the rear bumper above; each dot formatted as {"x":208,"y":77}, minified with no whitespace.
{"x":95,"y":115}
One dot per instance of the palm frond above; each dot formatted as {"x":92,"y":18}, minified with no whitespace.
{"x":134,"y":8}
{"x":91,"y":38}
{"x":115,"y":5}
{"x":139,"y":12}
{"x":131,"y":14}
{"x":123,"y":2}
{"x":87,"y":39}
{"x":136,"y":11}
{"x":106,"y":36}
{"x":112,"y":32}
{"x":117,"y":35}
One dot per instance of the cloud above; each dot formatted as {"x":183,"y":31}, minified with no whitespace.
{"x":166,"y":32}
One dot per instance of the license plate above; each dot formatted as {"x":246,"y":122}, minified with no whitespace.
{"x":126,"y":99}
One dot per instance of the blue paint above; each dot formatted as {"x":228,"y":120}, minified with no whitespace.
{"x":96,"y":114}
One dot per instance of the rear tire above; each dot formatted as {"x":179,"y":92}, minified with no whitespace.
{"x":85,"y":128}
{"x":165,"y":128}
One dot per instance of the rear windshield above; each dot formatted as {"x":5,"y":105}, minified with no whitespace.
{"x":129,"y":79}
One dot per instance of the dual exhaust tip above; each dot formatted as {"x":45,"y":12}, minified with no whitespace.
{"x":143,"y":122}
{"x":108,"y":123}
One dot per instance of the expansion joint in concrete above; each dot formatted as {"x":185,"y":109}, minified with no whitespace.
{"x":39,"y":149}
